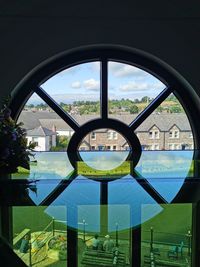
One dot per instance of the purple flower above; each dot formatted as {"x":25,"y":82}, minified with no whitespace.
{"x":14,"y":136}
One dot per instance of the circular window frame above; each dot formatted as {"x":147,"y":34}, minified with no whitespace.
{"x":104,"y":53}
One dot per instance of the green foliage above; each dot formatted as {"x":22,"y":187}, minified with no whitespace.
{"x":176,"y":109}
{"x":61,"y":143}
{"x":14,"y":151}
{"x":170,"y":104}
{"x":134,"y":109}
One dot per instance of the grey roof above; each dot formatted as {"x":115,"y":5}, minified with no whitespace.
{"x":31,"y":119}
{"x":58,"y":123}
{"x":47,"y":119}
{"x":165,"y":122}
{"x":40,"y":131}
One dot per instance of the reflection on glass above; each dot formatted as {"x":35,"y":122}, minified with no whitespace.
{"x":104,"y":161}
{"x":166,"y":171}
{"x":80,"y":190}
{"x":40,"y":242}
{"x":134,"y":195}
{"x":104,"y":140}
{"x":77,"y":91}
{"x":104,"y":245}
{"x":166,"y":240}
{"x":130,"y":90}
{"x":51,"y":135}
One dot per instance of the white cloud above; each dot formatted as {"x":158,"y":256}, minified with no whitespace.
{"x":125,"y":70}
{"x":91,"y":84}
{"x":76,"y":85}
{"x":134,"y":86}
{"x":142,"y":86}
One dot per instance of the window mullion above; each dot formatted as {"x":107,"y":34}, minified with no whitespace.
{"x":50,"y":101}
{"x":148,"y":188}
{"x":104,"y":89}
{"x":150,"y":108}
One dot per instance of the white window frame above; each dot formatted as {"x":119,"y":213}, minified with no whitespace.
{"x":154,"y":134}
{"x":174,"y":134}
{"x":174,"y":146}
{"x":93,"y":136}
{"x":112,"y":135}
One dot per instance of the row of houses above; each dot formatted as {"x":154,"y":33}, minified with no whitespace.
{"x":157,"y":132}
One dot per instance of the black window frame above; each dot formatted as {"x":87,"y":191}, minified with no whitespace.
{"x":175,"y":83}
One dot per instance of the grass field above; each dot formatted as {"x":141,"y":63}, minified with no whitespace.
{"x":171,"y":225}
{"x":33,"y":218}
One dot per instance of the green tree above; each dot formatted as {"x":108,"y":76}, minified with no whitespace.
{"x":134,"y":109}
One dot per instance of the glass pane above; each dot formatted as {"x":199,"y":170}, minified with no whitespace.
{"x":40,"y":242}
{"x":166,"y":137}
{"x":167,"y":128}
{"x":166,"y":171}
{"x":130,"y":90}
{"x":103,"y":149}
{"x":77,"y":91}
{"x":166,"y":240}
{"x":105,"y":243}
{"x":51,"y":135}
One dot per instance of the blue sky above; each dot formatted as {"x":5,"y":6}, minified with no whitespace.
{"x":82,"y":82}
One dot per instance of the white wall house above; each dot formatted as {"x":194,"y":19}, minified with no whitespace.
{"x":43,"y":137}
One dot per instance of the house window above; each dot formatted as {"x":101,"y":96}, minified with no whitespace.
{"x":114,"y":135}
{"x":111,"y":135}
{"x":35,"y":140}
{"x":93,"y":136}
{"x":174,"y":134}
{"x":154,"y":134}
{"x":151,"y":135}
{"x":174,"y":146}
{"x":93,"y":147}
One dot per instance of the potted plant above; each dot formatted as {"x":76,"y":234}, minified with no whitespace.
{"x":14,"y":150}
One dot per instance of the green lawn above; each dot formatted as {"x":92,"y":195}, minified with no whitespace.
{"x":33,"y":218}
{"x":171,"y":225}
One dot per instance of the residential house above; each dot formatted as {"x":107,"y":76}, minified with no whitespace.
{"x":43,"y":138}
{"x":158,"y":132}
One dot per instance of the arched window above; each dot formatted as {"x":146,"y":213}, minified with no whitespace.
{"x":121,"y":119}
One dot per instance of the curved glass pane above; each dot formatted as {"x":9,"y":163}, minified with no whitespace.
{"x":50,"y":135}
{"x":77,"y":91}
{"x":104,"y":149}
{"x":130,"y":90}
{"x":167,"y":128}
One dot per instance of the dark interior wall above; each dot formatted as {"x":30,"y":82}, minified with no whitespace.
{"x":32,"y":31}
